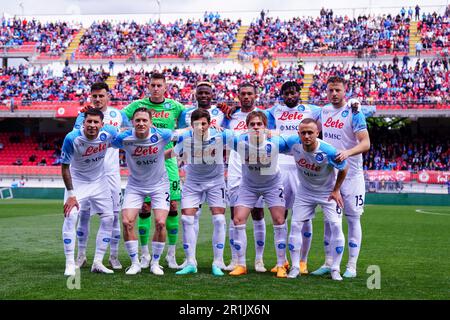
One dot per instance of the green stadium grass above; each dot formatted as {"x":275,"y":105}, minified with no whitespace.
{"x":410,"y":248}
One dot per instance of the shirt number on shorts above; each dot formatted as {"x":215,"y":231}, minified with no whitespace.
{"x":359,"y":200}
{"x":168,"y":196}
{"x":223,"y":193}
{"x":281,"y":193}
{"x":338,"y":210}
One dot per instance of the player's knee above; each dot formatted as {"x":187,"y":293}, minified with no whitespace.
{"x":173,"y":213}
{"x":160,"y":225}
{"x":128,"y":224}
{"x":277,"y":220}
{"x":107,"y":221}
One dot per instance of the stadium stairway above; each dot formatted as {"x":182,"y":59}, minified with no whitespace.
{"x":73,"y":45}
{"x":111,"y":81}
{"x":307,"y":82}
{"x":414,"y":37}
{"x":238,"y":43}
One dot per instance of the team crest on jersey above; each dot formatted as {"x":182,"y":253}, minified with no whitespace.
{"x":154,"y":138}
{"x":344,"y":113}
{"x":301,"y":108}
{"x":167,"y":105}
{"x":319,"y":157}
{"x":103,"y":137}
{"x":113,"y":114}
{"x":215,"y":112}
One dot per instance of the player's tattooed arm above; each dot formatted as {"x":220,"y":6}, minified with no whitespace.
{"x":336,"y":193}
{"x":71,"y":201}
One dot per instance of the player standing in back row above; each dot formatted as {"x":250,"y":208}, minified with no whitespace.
{"x":346,"y":131}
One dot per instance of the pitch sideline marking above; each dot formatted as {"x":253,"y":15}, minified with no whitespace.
{"x":433,"y":213}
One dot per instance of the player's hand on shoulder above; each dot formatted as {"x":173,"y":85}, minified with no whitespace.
{"x":226,"y":109}
{"x":355,"y":105}
{"x":217,"y":127}
{"x":341,"y":156}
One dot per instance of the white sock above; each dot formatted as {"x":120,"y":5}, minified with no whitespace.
{"x":307,"y":230}
{"x":132,"y":249}
{"x":103,"y":237}
{"x":189,"y":239}
{"x":157,"y":250}
{"x":115,"y":238}
{"x":231,"y":237}
{"x":280,"y":235}
{"x":327,"y":243}
{"x":83,"y":231}
{"x":259,"y":231}
{"x":171,"y":249}
{"x":197,"y":222}
{"x":218,"y":238}
{"x":295,"y":241}
{"x":69,"y":236}
{"x":144,"y":250}
{"x":354,"y":240}
{"x":240,"y":244}
{"x":337,"y":244}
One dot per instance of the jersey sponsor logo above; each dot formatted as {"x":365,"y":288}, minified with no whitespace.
{"x":113,"y":123}
{"x":344,"y":113}
{"x":213,"y":121}
{"x":301,"y":108}
{"x":289,"y":128}
{"x":330,"y":123}
{"x":145,"y":151}
{"x":286,"y":115}
{"x":302,"y":162}
{"x":161,"y":115}
{"x":103,"y":137}
{"x":94,"y":149}
{"x":241,"y":126}
{"x":319,"y":157}
{"x":113,"y":114}
{"x":154,"y":138}
{"x":332,"y":136}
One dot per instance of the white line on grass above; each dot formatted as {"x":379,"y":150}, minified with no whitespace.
{"x":433,"y":213}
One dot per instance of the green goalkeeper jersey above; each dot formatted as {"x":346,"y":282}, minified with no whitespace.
{"x":165,"y":114}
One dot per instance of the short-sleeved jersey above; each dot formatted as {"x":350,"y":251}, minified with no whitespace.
{"x":86,"y":157}
{"x":118,"y":119}
{"x":315,"y":169}
{"x":286,"y":120}
{"x":339,"y":128}
{"x":217,"y":117}
{"x":204,"y":159}
{"x":259,"y":162}
{"x":238,"y":125}
{"x":145,"y":157}
{"x":166,"y":115}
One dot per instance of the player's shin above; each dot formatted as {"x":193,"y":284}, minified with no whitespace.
{"x":354,"y":240}
{"x":189,"y":240}
{"x":240,"y":243}
{"x":280,"y":236}
{"x":337,"y":244}
{"x":218,"y":238}
{"x":172,"y":232}
{"x":306,"y":233}
{"x":327,"y":244}
{"x":144,"y":226}
{"x":259,"y":229}
{"x":103,"y":237}
{"x":83,"y":231}
{"x":115,"y":238}
{"x":69,"y":235}
{"x":295,"y":241}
